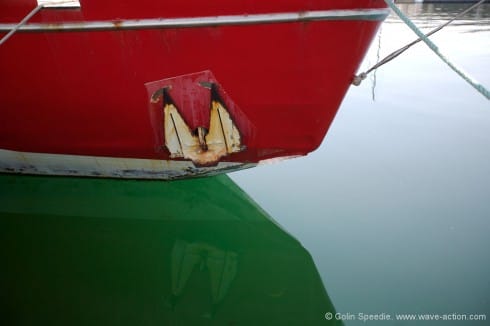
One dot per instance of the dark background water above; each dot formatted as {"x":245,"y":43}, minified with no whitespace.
{"x":395,"y":205}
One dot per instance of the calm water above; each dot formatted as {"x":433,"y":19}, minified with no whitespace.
{"x":390,"y":215}
{"x":394,"y":206}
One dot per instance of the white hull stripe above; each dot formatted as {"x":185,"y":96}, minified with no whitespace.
{"x":353,"y":14}
{"x":107,"y":167}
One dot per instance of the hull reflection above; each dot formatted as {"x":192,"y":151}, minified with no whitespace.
{"x":194,"y":252}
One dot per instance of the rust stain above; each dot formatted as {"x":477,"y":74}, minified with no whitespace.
{"x":117,"y":23}
{"x":54,"y":26}
{"x":158,"y":95}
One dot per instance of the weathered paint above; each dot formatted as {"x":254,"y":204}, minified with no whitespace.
{"x":193,"y":118}
{"x":204,"y":145}
{"x":109,"y":167}
{"x":222,"y":131}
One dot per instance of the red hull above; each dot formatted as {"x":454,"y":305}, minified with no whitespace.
{"x":83,"y":92}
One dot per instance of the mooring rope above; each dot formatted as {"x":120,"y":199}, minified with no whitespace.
{"x":424,"y":37}
{"x":22,"y":22}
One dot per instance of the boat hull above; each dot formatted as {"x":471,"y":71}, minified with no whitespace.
{"x":85,"y":93}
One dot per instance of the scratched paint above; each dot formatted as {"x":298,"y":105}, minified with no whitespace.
{"x":108,"y":167}
{"x":203,"y":146}
{"x":194,"y":119}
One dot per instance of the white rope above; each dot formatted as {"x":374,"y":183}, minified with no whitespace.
{"x":359,"y":78}
{"x":22,"y":22}
{"x":479,"y":87}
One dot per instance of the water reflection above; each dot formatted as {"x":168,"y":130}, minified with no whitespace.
{"x":196,"y":252}
{"x":394,"y":36}
{"x":430,"y":15}
{"x":398,"y":193}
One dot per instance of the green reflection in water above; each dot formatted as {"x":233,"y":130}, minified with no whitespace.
{"x":194,"y":252}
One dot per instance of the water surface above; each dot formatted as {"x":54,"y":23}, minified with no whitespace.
{"x":395,"y":205}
